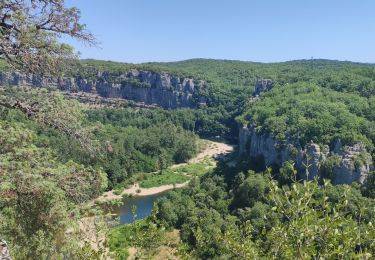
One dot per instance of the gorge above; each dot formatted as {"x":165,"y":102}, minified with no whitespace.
{"x":303,"y":122}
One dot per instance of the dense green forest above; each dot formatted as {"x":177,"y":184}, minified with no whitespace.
{"x":300,"y":185}
{"x":230,"y":213}
{"x":131,"y":148}
{"x":122,"y":149}
{"x":251,"y":216}
{"x":232,"y":82}
{"x":236,"y":213}
{"x":318,"y":100}
{"x":233,"y":213}
{"x":48,"y":176}
{"x":305,"y":112}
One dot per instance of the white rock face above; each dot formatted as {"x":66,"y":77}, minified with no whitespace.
{"x":308,"y":160}
{"x":261,"y":145}
{"x":152,"y":88}
{"x":349,"y":171}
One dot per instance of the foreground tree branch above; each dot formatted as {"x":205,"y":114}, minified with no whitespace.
{"x":50,"y":110}
{"x":30,"y":31}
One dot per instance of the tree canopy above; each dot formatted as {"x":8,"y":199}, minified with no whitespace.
{"x":30,"y":32}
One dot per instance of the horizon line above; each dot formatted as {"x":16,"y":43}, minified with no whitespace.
{"x":231,"y":60}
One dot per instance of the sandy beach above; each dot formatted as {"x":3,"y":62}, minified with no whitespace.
{"x":109,"y":195}
{"x":212,"y":149}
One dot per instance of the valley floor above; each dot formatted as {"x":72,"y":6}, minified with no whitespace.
{"x":212,"y":150}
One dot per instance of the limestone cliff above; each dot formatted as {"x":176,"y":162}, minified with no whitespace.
{"x":152,"y":88}
{"x":353,"y":166}
{"x":352,"y":163}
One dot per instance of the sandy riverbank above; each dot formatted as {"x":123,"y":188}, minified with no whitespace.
{"x":138,"y":191}
{"x":212,"y":149}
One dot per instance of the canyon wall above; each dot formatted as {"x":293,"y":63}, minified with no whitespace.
{"x":341,"y":164}
{"x":349,"y":163}
{"x":152,"y":88}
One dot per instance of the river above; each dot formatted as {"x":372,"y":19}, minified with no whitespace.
{"x":144,"y":206}
{"x":145,"y":202}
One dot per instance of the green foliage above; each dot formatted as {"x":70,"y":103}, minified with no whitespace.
{"x":164,"y":178}
{"x":131,"y":150}
{"x":261,"y":219}
{"x":287,"y":173}
{"x":304,"y":112}
{"x":313,"y":226}
{"x":231,"y":83}
{"x":369,"y":188}
{"x":328,"y":165}
{"x":254,"y":188}
{"x":31,"y":39}
{"x":50,"y":110}
{"x":141,"y":234}
{"x":39,"y":196}
{"x":47,"y":172}
{"x":206,"y":122}
{"x":175,"y":175}
{"x":125,"y":149}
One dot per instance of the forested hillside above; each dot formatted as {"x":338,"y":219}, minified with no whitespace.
{"x":231,"y":83}
{"x":236,"y":213}
{"x":233,"y":212}
{"x":193,"y":159}
{"x":54,"y":162}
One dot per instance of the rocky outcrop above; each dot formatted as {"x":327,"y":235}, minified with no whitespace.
{"x":354,"y":161}
{"x":152,"y":88}
{"x":354,"y":165}
{"x":244,"y":139}
{"x":4,"y":251}
{"x":259,"y":145}
{"x":262,"y":85}
{"x":308,"y":161}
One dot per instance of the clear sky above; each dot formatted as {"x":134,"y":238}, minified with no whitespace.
{"x":251,"y":30}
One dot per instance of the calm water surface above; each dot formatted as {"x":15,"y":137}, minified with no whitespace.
{"x":144,"y":206}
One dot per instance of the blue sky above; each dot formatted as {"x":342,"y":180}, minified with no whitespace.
{"x":252,"y":30}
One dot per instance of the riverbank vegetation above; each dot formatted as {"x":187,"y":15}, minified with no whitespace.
{"x":57,"y":156}
{"x":236,"y":213}
{"x":46,"y":152}
{"x":49,"y":176}
{"x":245,"y":215}
{"x":120,"y":151}
{"x":177,"y":175}
{"x":220,"y":207}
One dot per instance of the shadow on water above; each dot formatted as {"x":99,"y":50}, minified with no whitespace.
{"x":144,"y":205}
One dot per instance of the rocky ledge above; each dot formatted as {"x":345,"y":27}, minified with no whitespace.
{"x":152,"y":88}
